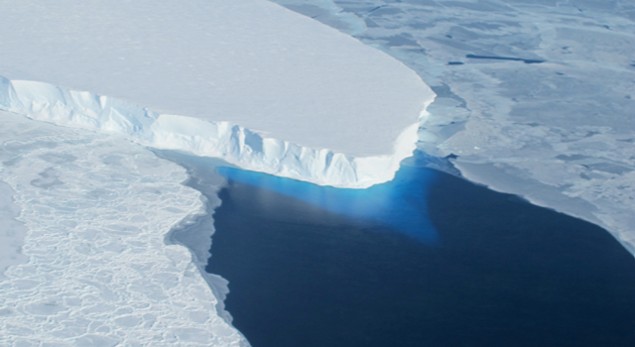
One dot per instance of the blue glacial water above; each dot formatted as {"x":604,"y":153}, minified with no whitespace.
{"x":426,"y":260}
{"x":376,"y":206}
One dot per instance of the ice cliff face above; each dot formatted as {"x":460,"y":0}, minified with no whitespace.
{"x":233,"y":143}
{"x":319,"y":105}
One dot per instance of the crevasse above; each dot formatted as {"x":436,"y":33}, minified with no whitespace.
{"x":231,"y":142}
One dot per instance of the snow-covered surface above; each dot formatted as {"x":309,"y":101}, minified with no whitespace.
{"x":11,"y":230}
{"x":535,"y":98}
{"x":97,"y":270}
{"x":251,"y":63}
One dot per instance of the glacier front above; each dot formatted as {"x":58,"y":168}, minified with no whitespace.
{"x":249,"y":81}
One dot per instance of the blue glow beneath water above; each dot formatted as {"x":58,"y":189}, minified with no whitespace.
{"x":394,"y":204}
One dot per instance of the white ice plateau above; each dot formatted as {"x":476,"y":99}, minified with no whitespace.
{"x":250,"y":81}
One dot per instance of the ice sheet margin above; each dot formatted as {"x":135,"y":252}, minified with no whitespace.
{"x":233,"y":143}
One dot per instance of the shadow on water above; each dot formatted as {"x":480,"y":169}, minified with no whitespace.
{"x":315,"y":266}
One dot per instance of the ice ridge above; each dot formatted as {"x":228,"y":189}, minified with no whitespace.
{"x":231,"y":142}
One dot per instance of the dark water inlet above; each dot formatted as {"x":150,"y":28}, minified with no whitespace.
{"x":501,"y":271}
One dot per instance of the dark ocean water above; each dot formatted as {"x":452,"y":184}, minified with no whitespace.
{"x":426,"y":260}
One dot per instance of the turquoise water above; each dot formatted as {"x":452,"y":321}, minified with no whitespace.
{"x":378,"y":205}
{"x":427,"y":260}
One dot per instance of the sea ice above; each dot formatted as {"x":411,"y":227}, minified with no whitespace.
{"x":11,"y":230}
{"x":96,"y":270}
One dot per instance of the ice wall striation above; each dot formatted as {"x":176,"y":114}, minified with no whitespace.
{"x":231,"y":142}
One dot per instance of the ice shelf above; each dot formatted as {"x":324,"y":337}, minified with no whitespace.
{"x":297,"y":91}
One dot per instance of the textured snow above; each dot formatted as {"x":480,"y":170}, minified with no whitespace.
{"x":534,"y":98}
{"x":97,"y":270}
{"x":11,"y":230}
{"x":252,"y":63}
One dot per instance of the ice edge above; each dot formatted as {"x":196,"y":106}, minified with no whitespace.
{"x":231,"y":142}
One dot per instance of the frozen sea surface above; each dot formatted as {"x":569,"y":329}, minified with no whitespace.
{"x":534,"y":98}
{"x":96,"y":269}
